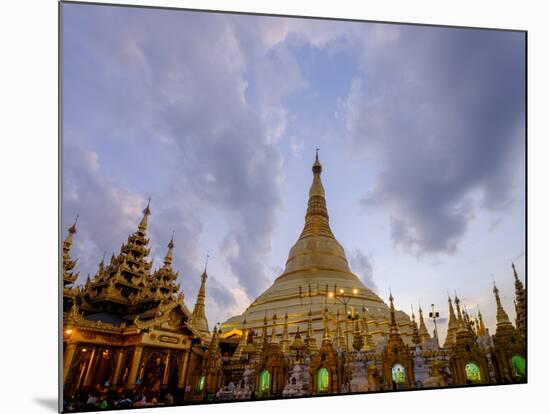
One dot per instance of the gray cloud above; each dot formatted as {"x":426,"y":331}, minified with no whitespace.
{"x":442,"y":111}
{"x":107,"y":212}
{"x":142,"y":82}
{"x":361,"y":265}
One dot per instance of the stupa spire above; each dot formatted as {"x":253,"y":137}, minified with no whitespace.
{"x":451,"y":326}
{"x":70,"y":232}
{"x":215,"y":340}
{"x":198,"y":317}
{"x":393,"y":324}
{"x":502,"y":316}
{"x":146,"y":213}
{"x":169,"y":254}
{"x":317,"y":221}
{"x":69,"y":276}
{"x":422,"y":329}
{"x":460,"y":320}
{"x":164,"y":278}
{"x":520,"y":304}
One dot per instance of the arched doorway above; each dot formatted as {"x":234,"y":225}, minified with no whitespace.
{"x":264,"y":383}
{"x":399,"y":376}
{"x":153,"y":371}
{"x":518,"y":366}
{"x":473,"y":373}
{"x":323,"y":381}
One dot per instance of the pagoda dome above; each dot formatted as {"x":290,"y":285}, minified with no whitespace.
{"x":317,"y":274}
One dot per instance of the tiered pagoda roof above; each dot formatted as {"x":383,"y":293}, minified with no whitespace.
{"x":69,"y":274}
{"x":127,"y":291}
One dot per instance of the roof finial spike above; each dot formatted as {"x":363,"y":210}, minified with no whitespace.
{"x":72,"y":229}
{"x":317,"y":168}
{"x":171,"y":243}
{"x":206,"y":262}
{"x":147,"y":210}
{"x":75,"y":221}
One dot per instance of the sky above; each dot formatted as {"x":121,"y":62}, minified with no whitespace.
{"x":216,"y":117}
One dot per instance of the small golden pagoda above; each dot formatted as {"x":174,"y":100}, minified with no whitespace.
{"x":508,"y":342}
{"x":467,"y":361}
{"x":198,"y":317}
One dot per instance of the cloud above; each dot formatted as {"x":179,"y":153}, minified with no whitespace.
{"x":107,"y":212}
{"x":297,"y":146}
{"x":442,"y":111}
{"x":149,"y":110}
{"x":193,"y":126}
{"x":361,"y":265}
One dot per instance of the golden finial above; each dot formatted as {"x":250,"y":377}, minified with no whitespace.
{"x":147,"y":210}
{"x":317,"y":168}
{"x":168,"y":257}
{"x":206,"y":263}
{"x":72,"y":229}
{"x":171,"y":244}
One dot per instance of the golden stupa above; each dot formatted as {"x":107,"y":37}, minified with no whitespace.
{"x":317,"y":277}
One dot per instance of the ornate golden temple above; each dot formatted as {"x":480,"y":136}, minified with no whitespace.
{"x":317,"y":330}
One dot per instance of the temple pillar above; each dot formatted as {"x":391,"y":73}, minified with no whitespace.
{"x":183,"y":372}
{"x":131,"y":382}
{"x":166,"y":369}
{"x":68,"y":356}
{"x":118,"y":366}
{"x":87,"y":377}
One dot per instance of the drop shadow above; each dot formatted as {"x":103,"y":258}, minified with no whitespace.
{"x":49,"y":403}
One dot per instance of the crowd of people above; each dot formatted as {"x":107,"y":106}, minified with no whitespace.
{"x":103,"y":398}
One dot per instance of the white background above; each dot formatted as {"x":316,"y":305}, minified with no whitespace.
{"x":29,"y":202}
